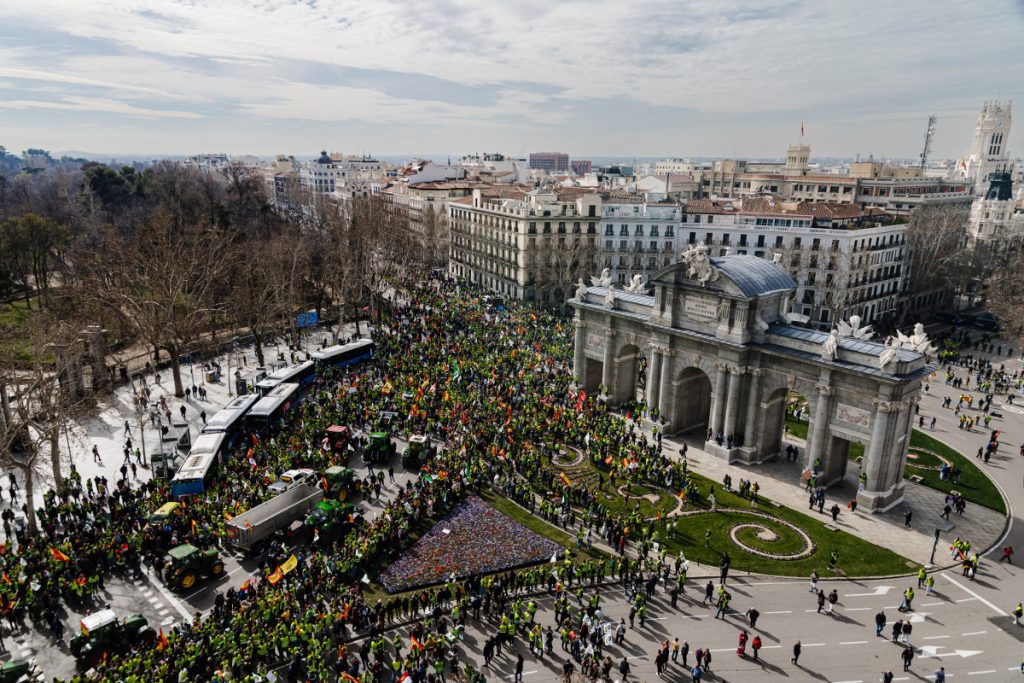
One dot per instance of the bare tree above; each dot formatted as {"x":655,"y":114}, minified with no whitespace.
{"x":1006,"y":295}
{"x":934,"y":253}
{"x":557,"y":263}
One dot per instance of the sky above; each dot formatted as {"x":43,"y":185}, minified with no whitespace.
{"x":722,"y":78}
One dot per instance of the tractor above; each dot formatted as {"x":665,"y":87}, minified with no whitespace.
{"x":18,"y":672}
{"x":331,"y":520}
{"x":186,"y":564}
{"x":339,"y":439}
{"x":419,"y":452}
{"x":341,"y":482}
{"x":103,"y":633}
{"x":379,"y":449}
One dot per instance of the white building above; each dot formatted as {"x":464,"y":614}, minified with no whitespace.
{"x":340,"y":175}
{"x":997,"y":219}
{"x":988,"y":153}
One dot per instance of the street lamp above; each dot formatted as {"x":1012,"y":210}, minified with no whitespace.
{"x":935,"y":545}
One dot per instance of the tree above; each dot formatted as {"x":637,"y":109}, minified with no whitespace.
{"x":30,"y":246}
{"x":1006,"y":295}
{"x":934,"y":254}
{"x":161,"y":280}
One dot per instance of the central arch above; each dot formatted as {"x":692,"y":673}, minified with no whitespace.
{"x":630,"y":375}
{"x":692,"y":404}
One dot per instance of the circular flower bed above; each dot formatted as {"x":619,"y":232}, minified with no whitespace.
{"x":564,"y":459}
{"x":923,"y":459}
{"x":772,"y":538}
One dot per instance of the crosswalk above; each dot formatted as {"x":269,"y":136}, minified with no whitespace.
{"x":158,"y":604}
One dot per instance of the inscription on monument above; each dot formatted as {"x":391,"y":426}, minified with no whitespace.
{"x":701,"y":305}
{"x":595,"y":340}
{"x":852,"y":415}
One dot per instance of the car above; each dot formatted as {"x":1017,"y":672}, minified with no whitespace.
{"x":986,"y":321}
{"x":291,"y":478}
{"x":163,"y":513}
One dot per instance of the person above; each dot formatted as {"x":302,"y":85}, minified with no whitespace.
{"x":755,"y":645}
{"x":821,"y":600}
{"x":887,"y":677}
{"x":1007,"y":554}
{"x":697,"y":673}
{"x":741,"y":647}
{"x":623,"y":669}
{"x":907,"y":516}
{"x":1018,"y":612}
{"x":752,"y":615}
{"x":796,"y":653}
{"x":183,"y":412}
{"x":519,"y":668}
{"x":879,"y":623}
{"x":814,"y":582}
{"x":96,"y":454}
{"x":684,"y":652}
{"x":940,"y":675}
{"x":835,"y":512}
{"x":897,"y":629}
{"x":908,"y":657}
{"x":675,"y":649}
{"x":833,"y":598}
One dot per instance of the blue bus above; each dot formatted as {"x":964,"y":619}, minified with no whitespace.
{"x":302,"y":374}
{"x":343,"y":355}
{"x":230,"y":421}
{"x":197,"y":471}
{"x":269,"y":411}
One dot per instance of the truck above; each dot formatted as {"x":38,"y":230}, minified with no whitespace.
{"x":340,"y":482}
{"x":331,"y":520}
{"x":419,"y":452}
{"x":247,"y":530}
{"x":379,"y":448}
{"x":103,"y":634}
{"x":186,"y":564}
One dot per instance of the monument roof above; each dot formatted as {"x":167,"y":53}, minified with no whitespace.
{"x":754,"y":276}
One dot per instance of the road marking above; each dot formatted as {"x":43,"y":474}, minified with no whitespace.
{"x":856,"y":681}
{"x":785,"y":611}
{"x":934,"y":637}
{"x":525,"y":673}
{"x":974,"y":633}
{"x":978,"y":673}
{"x":814,"y":644}
{"x":933,"y":651}
{"x":171,"y":600}
{"x":856,"y":609}
{"x":972,"y":593}
{"x":966,"y":600}
{"x":853,"y":642}
{"x":931,"y":604}
{"x":879,"y":590}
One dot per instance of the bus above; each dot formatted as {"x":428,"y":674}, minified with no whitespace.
{"x":302,"y":374}
{"x":266,"y":415}
{"x":196,"y":472}
{"x":229,"y":420}
{"x":343,"y":355}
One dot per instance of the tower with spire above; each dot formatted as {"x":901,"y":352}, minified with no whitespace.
{"x":988,"y":153}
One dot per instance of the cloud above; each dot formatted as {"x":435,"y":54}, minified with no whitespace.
{"x":98,"y":105}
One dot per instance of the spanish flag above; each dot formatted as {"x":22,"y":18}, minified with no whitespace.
{"x":416,"y":645}
{"x":58,"y":555}
{"x":349,"y":677}
{"x":275,"y":577}
{"x":228,"y":516}
{"x":247,"y":585}
{"x":565,"y":479}
{"x":162,"y":643}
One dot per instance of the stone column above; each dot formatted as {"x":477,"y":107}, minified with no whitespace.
{"x":579,"y":358}
{"x":718,"y":399}
{"x":654,"y":377}
{"x":732,"y":400}
{"x":753,"y":401}
{"x":873,"y":465}
{"x":816,"y":445}
{"x":608,"y":364}
{"x":665,"y":396}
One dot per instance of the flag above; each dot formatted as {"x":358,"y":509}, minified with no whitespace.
{"x":58,"y":555}
{"x":162,"y":641}
{"x":349,"y":677}
{"x":565,"y":479}
{"x":289,"y":565}
{"x":365,"y":579}
{"x":247,"y":585}
{"x":82,"y":580}
{"x":386,"y":389}
{"x":323,"y":480}
{"x":5,"y":578}
{"x":227,"y":516}
{"x":579,"y":403}
{"x":275,"y":577}
{"x":415,"y":646}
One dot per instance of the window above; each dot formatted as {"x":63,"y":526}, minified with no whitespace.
{"x":743,"y":240}
{"x":696,"y":218}
{"x":654,"y":231}
{"x":622,"y":245}
{"x":834,"y":189}
{"x":760,"y":240}
{"x":609,"y":229}
{"x":638,"y":245}
{"x":821,"y":188}
{"x":624,"y":230}
{"x":709,"y":238}
{"x":778,"y":241}
{"x":608,"y":245}
{"x":547,"y":228}
{"x":561,"y":227}
{"x":669,"y":231}
{"x":725,"y":239}
{"x":693,"y":238}
{"x":654,"y":246}
{"x":711,"y":219}
{"x":684,"y":218}
{"x":797,"y":242}
{"x":639,"y":232}
{"x":816,"y":244}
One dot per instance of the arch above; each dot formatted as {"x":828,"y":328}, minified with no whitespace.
{"x":691,"y":407}
{"x":630,"y":374}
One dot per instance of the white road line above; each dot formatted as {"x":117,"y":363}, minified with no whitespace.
{"x":934,"y":637}
{"x":856,"y":609}
{"x":856,"y":681}
{"x":525,"y":673}
{"x":932,"y":604}
{"x":970,"y":592}
{"x":853,"y":642}
{"x":978,"y":673}
{"x":171,"y":600}
{"x":785,"y":611}
{"x":974,"y":633}
{"x":813,"y":644}
{"x":966,"y":600}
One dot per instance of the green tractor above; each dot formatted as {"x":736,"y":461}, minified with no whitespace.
{"x":379,"y":449}
{"x":186,"y":564}
{"x":419,"y":452}
{"x":18,"y":672}
{"x":340,"y":482}
{"x":331,"y":520}
{"x":103,"y":633}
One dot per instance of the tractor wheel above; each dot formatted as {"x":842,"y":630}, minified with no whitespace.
{"x":188,"y":579}
{"x":217,"y":569}
{"x":342,"y":495}
{"x":145,"y":636}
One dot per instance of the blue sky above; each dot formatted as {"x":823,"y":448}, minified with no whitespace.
{"x":645,"y":77}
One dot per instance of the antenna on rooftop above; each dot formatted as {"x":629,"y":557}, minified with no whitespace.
{"x":928,"y":135}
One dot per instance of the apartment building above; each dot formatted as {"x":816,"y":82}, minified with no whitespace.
{"x":552,"y":162}
{"x":997,"y":219}
{"x":340,"y":175}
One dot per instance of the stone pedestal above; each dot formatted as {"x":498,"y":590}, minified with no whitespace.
{"x":880,"y":501}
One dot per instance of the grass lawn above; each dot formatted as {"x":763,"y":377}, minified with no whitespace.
{"x":13,"y":317}
{"x":975,"y":485}
{"x":857,"y":557}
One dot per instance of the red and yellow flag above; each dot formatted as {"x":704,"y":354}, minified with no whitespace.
{"x":162,"y":642}
{"x":58,"y":555}
{"x":275,"y":577}
{"x":565,"y":479}
{"x":247,"y":585}
{"x":416,"y":645}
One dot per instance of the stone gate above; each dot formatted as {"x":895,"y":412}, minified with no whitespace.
{"x":720,"y":359}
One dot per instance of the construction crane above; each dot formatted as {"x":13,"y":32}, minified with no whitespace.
{"x":928,"y":135}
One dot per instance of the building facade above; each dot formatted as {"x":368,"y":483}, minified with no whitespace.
{"x":988,"y":153}
{"x":552,"y":162}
